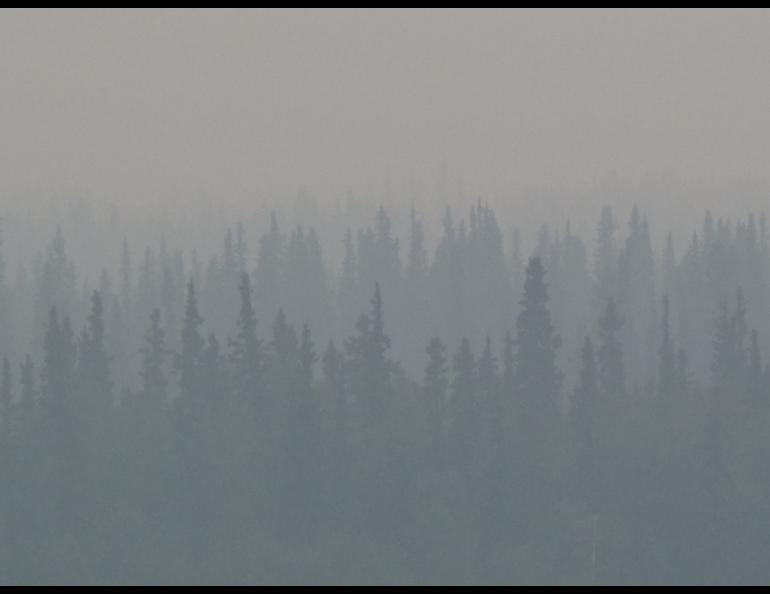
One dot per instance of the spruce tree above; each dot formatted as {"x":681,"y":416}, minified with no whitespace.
{"x":435,"y":385}
{"x":464,"y":399}
{"x":536,"y":376}
{"x":59,"y":360}
{"x":94,"y":362}
{"x":611,"y":370}
{"x":188,"y":363}
{"x":585,"y":399}
{"x":371,"y":369}
{"x":283,"y":360}
{"x":246,"y":349}
{"x":154,"y":354}
{"x":334,"y":376}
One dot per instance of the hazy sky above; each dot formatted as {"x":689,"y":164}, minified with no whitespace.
{"x":152,"y":103}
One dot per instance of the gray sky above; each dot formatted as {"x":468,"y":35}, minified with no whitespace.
{"x":148,"y":104}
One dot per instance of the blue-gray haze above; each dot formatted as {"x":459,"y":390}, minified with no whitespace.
{"x":384,"y":297}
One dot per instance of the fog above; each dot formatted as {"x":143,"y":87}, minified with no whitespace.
{"x":359,"y":297}
{"x":139,"y":105}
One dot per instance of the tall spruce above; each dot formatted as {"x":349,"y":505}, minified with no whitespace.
{"x":537,"y":378}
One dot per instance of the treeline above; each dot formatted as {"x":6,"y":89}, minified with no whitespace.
{"x":548,"y":418}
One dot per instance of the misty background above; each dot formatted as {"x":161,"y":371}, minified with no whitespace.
{"x":147,"y":106}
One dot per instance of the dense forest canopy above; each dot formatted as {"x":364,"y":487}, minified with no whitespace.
{"x":492,"y":405}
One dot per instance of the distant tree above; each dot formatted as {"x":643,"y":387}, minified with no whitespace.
{"x":611,"y":370}
{"x":94,"y":363}
{"x":334,"y":378}
{"x":268,"y":274}
{"x":730,"y":358}
{"x":489,"y":391}
{"x":605,"y":256}
{"x":57,"y":281}
{"x":585,"y":399}
{"x":246,"y":355}
{"x":283,"y":360}
{"x":154,"y":354}
{"x":188,"y":364}
{"x":435,"y":385}
{"x":464,"y":368}
{"x":307,"y":405}
{"x":334,"y":375}
{"x":536,"y":376}
{"x":59,"y":359}
{"x":213,"y":378}
{"x":464,"y":396}
{"x":417,"y":262}
{"x":370,"y":367}
{"x":636,"y":282}
{"x":347,"y":285}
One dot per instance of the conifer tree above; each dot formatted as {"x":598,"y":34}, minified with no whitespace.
{"x":246,"y":349}
{"x":154,"y":354}
{"x":283,"y":360}
{"x":435,"y":384}
{"x":370,"y":367}
{"x":188,"y":363}
{"x":536,"y":376}
{"x":585,"y":399}
{"x":94,"y":361}
{"x":611,"y":370}
{"x":334,"y":375}
{"x":59,"y":360}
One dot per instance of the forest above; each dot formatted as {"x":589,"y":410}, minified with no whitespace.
{"x":576,"y":409}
